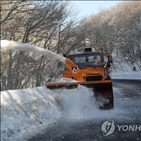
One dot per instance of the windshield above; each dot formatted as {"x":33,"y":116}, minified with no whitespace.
{"x":86,"y":60}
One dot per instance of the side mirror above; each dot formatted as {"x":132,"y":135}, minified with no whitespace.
{"x":110,"y":59}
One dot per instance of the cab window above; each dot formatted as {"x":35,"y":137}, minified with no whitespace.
{"x":86,"y":60}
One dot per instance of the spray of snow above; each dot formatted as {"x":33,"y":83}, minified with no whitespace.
{"x":62,"y":80}
{"x":80,"y":104}
{"x":12,"y":45}
{"x":76,"y":103}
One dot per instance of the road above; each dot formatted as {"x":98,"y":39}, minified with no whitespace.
{"x":126,"y":117}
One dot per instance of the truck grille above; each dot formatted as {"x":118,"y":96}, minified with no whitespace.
{"x":93,"y":78}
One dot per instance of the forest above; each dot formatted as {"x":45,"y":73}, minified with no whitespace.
{"x":54,"y":25}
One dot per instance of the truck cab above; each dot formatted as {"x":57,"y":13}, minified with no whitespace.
{"x":91,"y":65}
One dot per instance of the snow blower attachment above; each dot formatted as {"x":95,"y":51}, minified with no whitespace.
{"x":88,"y":69}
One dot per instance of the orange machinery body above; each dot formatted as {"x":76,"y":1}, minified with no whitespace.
{"x":89,"y":72}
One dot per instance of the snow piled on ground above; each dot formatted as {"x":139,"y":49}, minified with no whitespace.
{"x":135,"y":75}
{"x":26,"y":112}
{"x":122,"y":70}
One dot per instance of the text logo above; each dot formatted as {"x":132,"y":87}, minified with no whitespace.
{"x":108,"y":128}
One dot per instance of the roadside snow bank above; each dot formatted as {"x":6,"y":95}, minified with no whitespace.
{"x":122,"y":70}
{"x":134,"y":75}
{"x":26,"y":112}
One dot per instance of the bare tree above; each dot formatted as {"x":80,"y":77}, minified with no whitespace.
{"x":43,"y":24}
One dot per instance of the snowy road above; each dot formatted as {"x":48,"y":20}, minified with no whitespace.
{"x":126,"y":116}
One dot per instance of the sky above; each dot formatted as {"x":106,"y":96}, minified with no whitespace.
{"x":86,"y":8}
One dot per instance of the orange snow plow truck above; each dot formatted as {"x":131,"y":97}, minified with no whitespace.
{"x":88,"y":68}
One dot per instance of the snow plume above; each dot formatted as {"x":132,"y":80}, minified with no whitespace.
{"x":76,"y":103}
{"x":80,"y":104}
{"x":12,"y":45}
